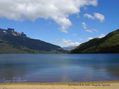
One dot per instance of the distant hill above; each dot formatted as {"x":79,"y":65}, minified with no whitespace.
{"x":107,"y":44}
{"x":15,"y":42}
{"x":69,"y":48}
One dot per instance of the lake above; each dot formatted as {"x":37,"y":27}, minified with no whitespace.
{"x":59,"y":67}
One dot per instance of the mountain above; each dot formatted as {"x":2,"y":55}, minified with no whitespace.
{"x":107,"y":44}
{"x":69,"y":48}
{"x":15,"y":42}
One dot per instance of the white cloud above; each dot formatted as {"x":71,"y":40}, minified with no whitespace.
{"x":90,"y":31}
{"x":101,"y":36}
{"x":84,"y":25}
{"x":90,"y":38}
{"x":98,"y":16}
{"x":57,"y":10}
{"x":65,"y":42}
{"x":86,"y":29}
{"x":89,"y":16}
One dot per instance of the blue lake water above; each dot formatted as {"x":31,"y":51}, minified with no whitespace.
{"x":59,"y":67}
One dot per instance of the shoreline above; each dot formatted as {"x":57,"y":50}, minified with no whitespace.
{"x":73,"y":85}
{"x":60,"y":83}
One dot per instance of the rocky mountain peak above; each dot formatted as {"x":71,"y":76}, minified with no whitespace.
{"x":11,"y":31}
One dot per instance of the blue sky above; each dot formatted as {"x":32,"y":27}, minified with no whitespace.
{"x":73,"y":26}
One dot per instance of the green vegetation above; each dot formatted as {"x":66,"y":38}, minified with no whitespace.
{"x":107,"y":44}
{"x":19,"y":44}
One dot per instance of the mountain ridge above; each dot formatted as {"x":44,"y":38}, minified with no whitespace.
{"x":107,"y":44}
{"x":15,"y":42}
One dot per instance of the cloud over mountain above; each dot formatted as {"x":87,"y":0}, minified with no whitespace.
{"x":65,"y":42}
{"x":57,"y":10}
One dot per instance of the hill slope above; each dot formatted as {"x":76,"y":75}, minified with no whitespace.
{"x":14,"y":42}
{"x":69,"y":48}
{"x":108,"y":44}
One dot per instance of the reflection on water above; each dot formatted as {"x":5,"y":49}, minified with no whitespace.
{"x":11,"y":72}
{"x":59,"y":67}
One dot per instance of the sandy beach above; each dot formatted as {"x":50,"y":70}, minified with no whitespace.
{"x":83,"y":85}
